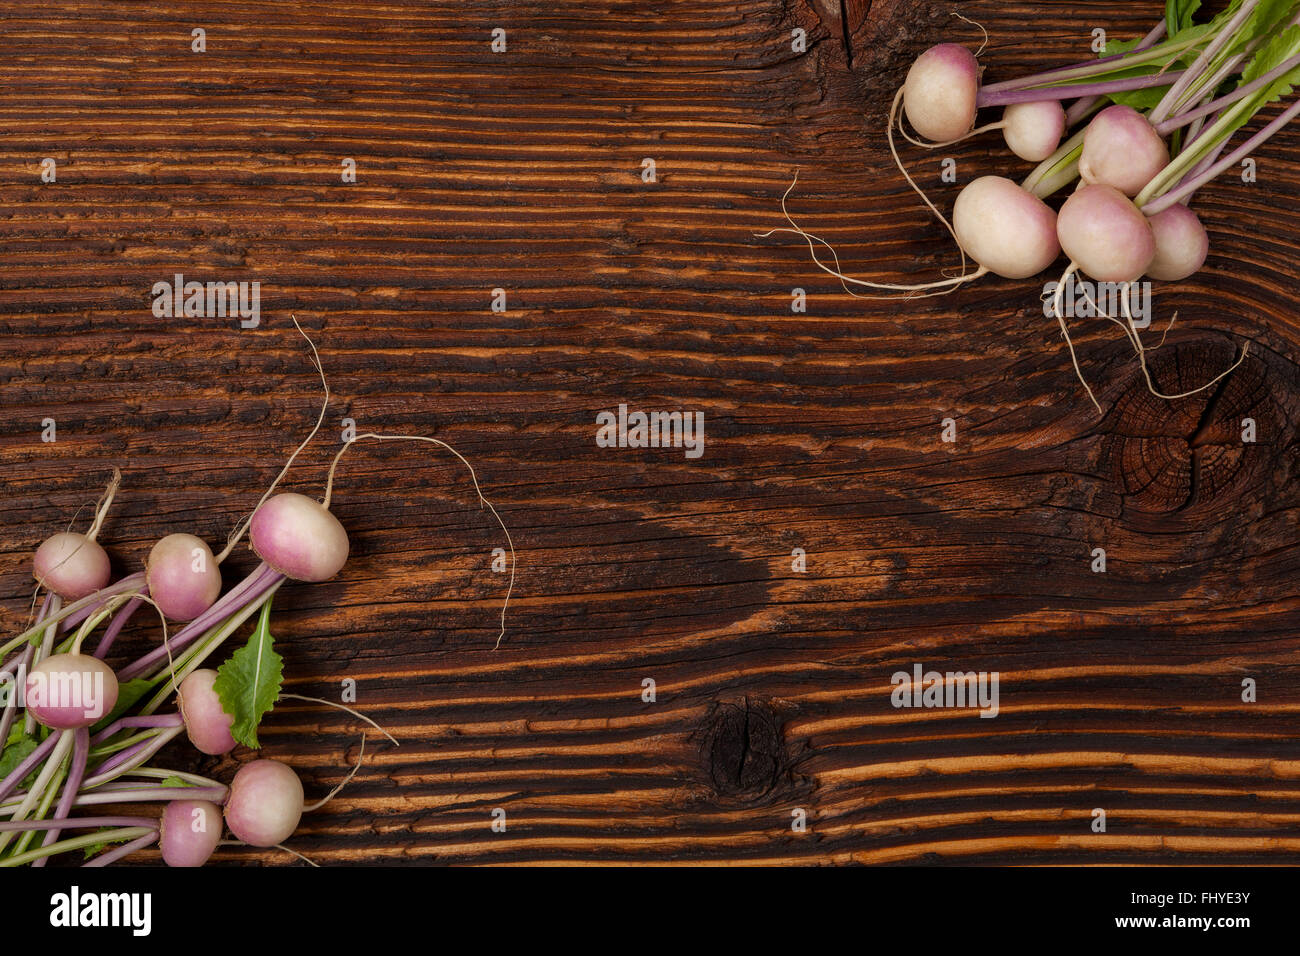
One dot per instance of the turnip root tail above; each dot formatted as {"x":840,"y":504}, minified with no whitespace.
{"x":946,"y":285}
{"x":346,"y":709}
{"x":325,"y":402}
{"x":342,"y":783}
{"x":105,"y":502}
{"x":975,"y":23}
{"x":483,"y":502}
{"x":1135,"y":339}
{"x":1060,"y":317}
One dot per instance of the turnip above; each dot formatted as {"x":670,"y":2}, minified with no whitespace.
{"x":299,"y":538}
{"x":1105,"y":235}
{"x":67,"y":691}
{"x":71,"y":565}
{"x":184,"y":578}
{"x":206,"y":724}
{"x":1033,"y":130}
{"x":939,"y":92}
{"x":1123,"y":150}
{"x":1181,"y":243}
{"x":1005,"y":229}
{"x":265,"y":803}
{"x":189,"y":831}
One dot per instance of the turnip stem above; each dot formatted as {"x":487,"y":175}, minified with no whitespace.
{"x":1083,"y":107}
{"x":119,"y":621}
{"x":77,"y":843}
{"x":153,"y":794}
{"x":1190,"y":185}
{"x":1151,"y":55}
{"x":1214,"y":106}
{"x":74,"y":613}
{"x":252,"y":588}
{"x":987,"y":98}
{"x":20,"y":772}
{"x":1200,"y":64}
{"x":76,"y":771}
{"x":158,"y":720}
{"x":68,"y":823}
{"x":117,"y":853}
{"x":62,"y":741}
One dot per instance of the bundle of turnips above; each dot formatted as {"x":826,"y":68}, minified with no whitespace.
{"x":1132,"y":135}
{"x":83,"y":735}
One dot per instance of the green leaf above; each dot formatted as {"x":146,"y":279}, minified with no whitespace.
{"x":1272,"y":55}
{"x":17,"y":748}
{"x":94,"y":848}
{"x":1140,"y":99}
{"x":248,"y":684}
{"x":128,"y":693}
{"x":1268,"y":16}
{"x":174,"y":781}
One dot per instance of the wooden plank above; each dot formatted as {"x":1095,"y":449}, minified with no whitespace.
{"x":522,"y":171}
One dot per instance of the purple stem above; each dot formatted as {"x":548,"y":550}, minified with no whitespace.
{"x":1080,"y":108}
{"x":130,"y":758}
{"x":76,"y":770}
{"x":73,"y":823}
{"x":1190,"y":183}
{"x":119,"y":622}
{"x":1046,"y":77}
{"x":153,"y":720}
{"x":126,"y":849}
{"x":1197,"y":69}
{"x":11,"y":706}
{"x":1008,"y":97}
{"x":126,"y":584}
{"x":23,"y":769}
{"x":1182,"y":119}
{"x":1206,"y":162}
{"x":216,"y":795}
{"x":261,"y":579}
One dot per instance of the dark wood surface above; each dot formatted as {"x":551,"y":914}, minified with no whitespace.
{"x":522,"y":170}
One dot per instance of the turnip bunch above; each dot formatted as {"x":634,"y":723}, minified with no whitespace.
{"x":77,"y":732}
{"x":1134,"y":133}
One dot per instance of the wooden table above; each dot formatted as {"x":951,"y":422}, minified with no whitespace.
{"x":523,"y":171}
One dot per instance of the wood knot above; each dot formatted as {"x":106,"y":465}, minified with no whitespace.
{"x":1189,"y":455}
{"x":744,"y":751}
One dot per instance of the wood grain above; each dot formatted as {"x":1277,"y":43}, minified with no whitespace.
{"x":522,"y":170}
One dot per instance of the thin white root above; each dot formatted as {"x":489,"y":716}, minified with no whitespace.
{"x":1142,"y":359}
{"x":926,"y":144}
{"x":306,"y":859}
{"x":243,"y":527}
{"x":483,"y":502}
{"x":982,"y":30}
{"x":1135,"y":339}
{"x":895,"y":118}
{"x":105,"y":502}
{"x":345,"y":709}
{"x":945,"y":284}
{"x":346,"y":780}
{"x":1170,"y":325}
{"x":101,"y":511}
{"x":1060,"y":317}
{"x":278,"y":846}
